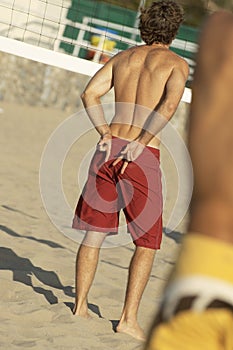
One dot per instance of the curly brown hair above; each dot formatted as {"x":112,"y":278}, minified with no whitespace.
{"x":159,"y":23}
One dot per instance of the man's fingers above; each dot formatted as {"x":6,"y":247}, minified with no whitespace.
{"x":101,"y":142}
{"x":117,"y":160}
{"x":101,"y":146}
{"x":105,"y":146}
{"x":124,"y":166}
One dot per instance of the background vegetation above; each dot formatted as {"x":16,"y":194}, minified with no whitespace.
{"x":195,"y":10}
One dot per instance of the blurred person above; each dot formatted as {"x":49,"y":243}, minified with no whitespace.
{"x":148,"y":82}
{"x":197,"y":307}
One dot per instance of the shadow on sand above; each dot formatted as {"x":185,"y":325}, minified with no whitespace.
{"x":23,"y":270}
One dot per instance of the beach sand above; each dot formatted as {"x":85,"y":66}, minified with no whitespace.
{"x":37,"y":261}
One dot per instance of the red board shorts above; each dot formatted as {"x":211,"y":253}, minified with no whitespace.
{"x":138,"y":192}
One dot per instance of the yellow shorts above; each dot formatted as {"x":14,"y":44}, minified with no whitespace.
{"x":197,"y":308}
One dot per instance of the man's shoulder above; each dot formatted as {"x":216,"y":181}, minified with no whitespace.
{"x":177,"y":58}
{"x":126,"y":51}
{"x":179,"y":61}
{"x":132,"y":52}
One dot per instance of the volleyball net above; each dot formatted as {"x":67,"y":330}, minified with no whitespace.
{"x":78,"y":35}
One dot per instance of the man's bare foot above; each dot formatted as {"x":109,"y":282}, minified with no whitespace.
{"x":132,"y":329}
{"x":82,"y":312}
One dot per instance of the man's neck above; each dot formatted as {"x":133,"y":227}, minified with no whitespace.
{"x":161,"y":45}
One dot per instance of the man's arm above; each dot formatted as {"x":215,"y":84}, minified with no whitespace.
{"x":98,"y":86}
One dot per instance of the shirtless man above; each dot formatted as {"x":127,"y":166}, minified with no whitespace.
{"x":197,"y":310}
{"x":148,"y":81}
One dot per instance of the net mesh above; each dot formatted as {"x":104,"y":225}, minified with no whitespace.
{"x":35,"y":22}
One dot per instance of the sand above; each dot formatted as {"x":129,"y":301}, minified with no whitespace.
{"x":37,"y":261}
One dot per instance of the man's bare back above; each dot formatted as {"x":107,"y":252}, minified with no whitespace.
{"x":140,"y":75}
{"x":145,"y":79}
